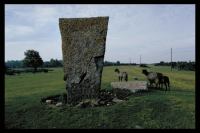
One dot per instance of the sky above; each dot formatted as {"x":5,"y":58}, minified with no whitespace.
{"x":134,"y":30}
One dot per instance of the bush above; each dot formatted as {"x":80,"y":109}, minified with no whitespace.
{"x":143,"y":65}
{"x":187,"y":67}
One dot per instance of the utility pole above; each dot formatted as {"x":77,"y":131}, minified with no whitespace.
{"x":171,"y":59}
{"x":140,"y":59}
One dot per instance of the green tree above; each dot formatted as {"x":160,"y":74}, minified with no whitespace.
{"x":12,"y":63}
{"x":57,"y":63}
{"x":118,"y":63}
{"x":166,"y":64}
{"x":61,"y":62}
{"x":46,"y":64}
{"x":162,"y":63}
{"x":52,"y":63}
{"x":105,"y":63}
{"x":32,"y":59}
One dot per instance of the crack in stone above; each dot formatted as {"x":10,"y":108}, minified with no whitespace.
{"x":98,"y":61}
{"x":82,"y":77}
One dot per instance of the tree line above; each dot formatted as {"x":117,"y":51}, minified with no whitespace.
{"x":33,"y":59}
{"x":18,"y":63}
{"x":180,"y":65}
{"x":107,"y":63}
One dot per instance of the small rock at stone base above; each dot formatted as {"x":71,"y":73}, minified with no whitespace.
{"x":102,"y":98}
{"x":81,"y":104}
{"x":117,"y":100}
{"x":107,"y":100}
{"x":59,"y":104}
{"x":138,"y":127}
{"x":49,"y":101}
{"x":108,"y":104}
{"x":102,"y":102}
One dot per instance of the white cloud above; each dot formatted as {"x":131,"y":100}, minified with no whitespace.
{"x":183,"y":42}
{"x":133,"y":29}
{"x":17,"y":30}
{"x":46,"y":50}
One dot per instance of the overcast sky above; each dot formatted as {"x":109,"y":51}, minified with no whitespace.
{"x":134,"y":29}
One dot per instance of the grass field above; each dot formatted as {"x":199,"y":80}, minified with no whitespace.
{"x":157,"y":109}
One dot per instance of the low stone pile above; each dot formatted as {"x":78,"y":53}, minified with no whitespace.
{"x":105,"y":99}
{"x":133,"y":86}
{"x":52,"y":103}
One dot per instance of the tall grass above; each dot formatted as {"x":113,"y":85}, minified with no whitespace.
{"x":153,"y":109}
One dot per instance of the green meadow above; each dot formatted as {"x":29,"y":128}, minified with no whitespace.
{"x":152,"y":109}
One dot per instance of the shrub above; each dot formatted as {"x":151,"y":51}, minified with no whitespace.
{"x":143,"y":65}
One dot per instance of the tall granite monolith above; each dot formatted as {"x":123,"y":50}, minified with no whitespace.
{"x":83,"y":49}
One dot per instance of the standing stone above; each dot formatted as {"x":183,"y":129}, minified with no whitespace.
{"x":83,"y":49}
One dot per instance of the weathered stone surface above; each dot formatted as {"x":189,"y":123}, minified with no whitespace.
{"x":134,"y":86}
{"x":83,"y":49}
